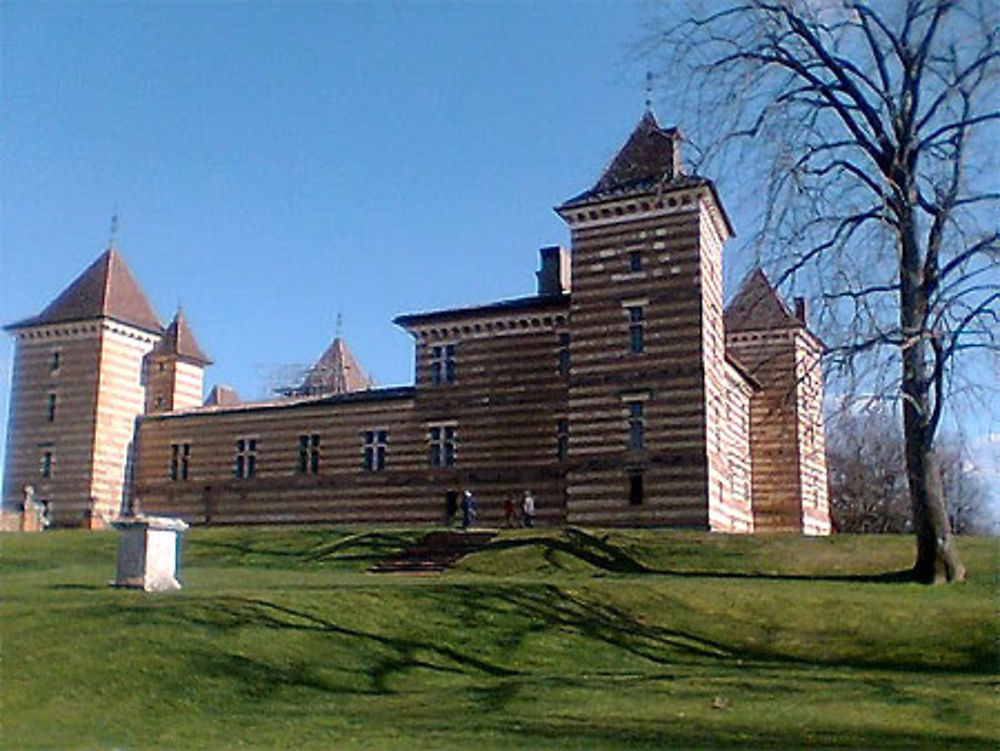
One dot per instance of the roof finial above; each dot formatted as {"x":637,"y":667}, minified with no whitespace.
{"x":113,"y":237}
{"x":649,"y":91}
{"x":340,"y":324}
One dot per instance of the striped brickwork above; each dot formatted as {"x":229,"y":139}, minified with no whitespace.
{"x":173,"y":384}
{"x":97,"y":398}
{"x":671,"y":376}
{"x":633,"y":400}
{"x":811,"y":436}
{"x":775,"y":360}
{"x":120,"y":400}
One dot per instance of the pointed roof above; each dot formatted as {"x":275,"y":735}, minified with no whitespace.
{"x":650,"y":156}
{"x":336,"y":372}
{"x":222,"y":396}
{"x":757,"y":306}
{"x":106,"y":289}
{"x":180,"y":342}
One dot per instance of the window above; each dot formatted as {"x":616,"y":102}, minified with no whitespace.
{"x":45,"y":468}
{"x":636,"y":425}
{"x":180,"y":455}
{"x":443,"y":363}
{"x":562,"y":439}
{"x":374,"y":450}
{"x":635,"y":489}
{"x":634,"y":261}
{"x":309,"y":454}
{"x":563,"y":354}
{"x":635,"y":323}
{"x":54,"y":362}
{"x":246,"y":458}
{"x":441,"y":441}
{"x":52,"y":407}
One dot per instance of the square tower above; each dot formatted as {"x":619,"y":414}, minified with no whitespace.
{"x":647,"y":341}
{"x":76,"y":389}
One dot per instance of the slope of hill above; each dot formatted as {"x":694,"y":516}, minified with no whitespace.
{"x":546,"y":639}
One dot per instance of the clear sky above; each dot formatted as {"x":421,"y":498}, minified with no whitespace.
{"x":277,"y":163}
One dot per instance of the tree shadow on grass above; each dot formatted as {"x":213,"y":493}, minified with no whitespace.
{"x":365,"y":546}
{"x":515,"y":613}
{"x":381,"y":657}
{"x":600,"y":553}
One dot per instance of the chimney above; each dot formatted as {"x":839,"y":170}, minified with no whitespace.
{"x":801,"y":310}
{"x":553,"y":275}
{"x":678,"y":165}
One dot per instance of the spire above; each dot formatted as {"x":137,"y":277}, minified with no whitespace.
{"x":113,"y":234}
{"x":105,"y":289}
{"x":649,"y":92}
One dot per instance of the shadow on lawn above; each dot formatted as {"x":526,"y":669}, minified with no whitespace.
{"x":381,"y":656}
{"x":365,"y":546}
{"x":600,"y":553}
{"x":698,"y":736}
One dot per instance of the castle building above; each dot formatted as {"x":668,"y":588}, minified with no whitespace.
{"x":622,"y":393}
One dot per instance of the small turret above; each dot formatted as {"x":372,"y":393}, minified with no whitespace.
{"x":175,"y":370}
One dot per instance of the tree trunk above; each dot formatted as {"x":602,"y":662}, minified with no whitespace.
{"x":938,"y":560}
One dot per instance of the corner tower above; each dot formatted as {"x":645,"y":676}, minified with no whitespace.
{"x":787,"y":443}
{"x":75,"y":393}
{"x":647,"y":340}
{"x":175,"y":370}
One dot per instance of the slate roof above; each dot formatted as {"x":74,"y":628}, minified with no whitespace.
{"x":371,"y":395}
{"x":535,"y":302}
{"x":336,"y":372}
{"x":178,"y":340}
{"x":649,"y":157}
{"x":222,"y":396}
{"x":106,"y":289}
{"x":757,"y":306}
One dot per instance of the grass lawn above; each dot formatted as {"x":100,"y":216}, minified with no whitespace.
{"x":548,"y":639}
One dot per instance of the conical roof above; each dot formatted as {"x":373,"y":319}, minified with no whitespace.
{"x":336,"y":372}
{"x":106,"y":289}
{"x":179,"y":341}
{"x":757,"y":306}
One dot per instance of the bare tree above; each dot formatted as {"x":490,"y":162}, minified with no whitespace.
{"x":877,"y":123}
{"x":868,"y":486}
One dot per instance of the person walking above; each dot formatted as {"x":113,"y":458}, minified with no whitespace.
{"x":528,"y":509}
{"x":508,"y":511}
{"x":468,"y":509}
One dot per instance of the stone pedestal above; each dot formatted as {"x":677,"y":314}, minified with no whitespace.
{"x":147,"y":552}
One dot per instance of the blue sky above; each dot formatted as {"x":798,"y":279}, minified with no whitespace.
{"x":277,"y":163}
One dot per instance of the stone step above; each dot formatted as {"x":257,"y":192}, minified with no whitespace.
{"x":436,"y":552}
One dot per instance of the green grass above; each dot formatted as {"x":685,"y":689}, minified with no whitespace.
{"x":546,"y":640}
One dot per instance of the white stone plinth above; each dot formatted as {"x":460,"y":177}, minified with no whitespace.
{"x":147,"y":552}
